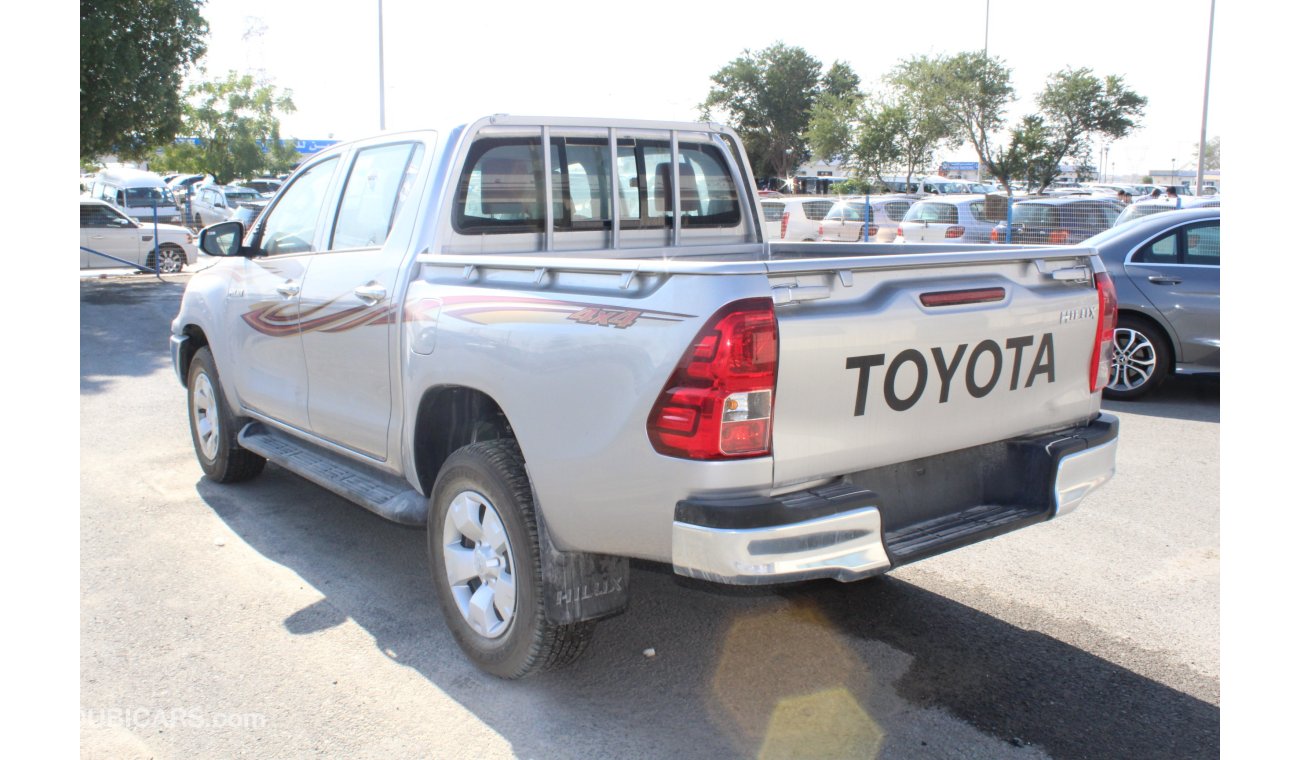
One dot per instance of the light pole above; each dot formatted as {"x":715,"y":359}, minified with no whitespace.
{"x":381,"y":65}
{"x":1205,"y":106}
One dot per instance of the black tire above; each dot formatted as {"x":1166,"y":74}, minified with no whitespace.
{"x":1141,"y":359}
{"x":213,"y":429}
{"x":513,"y":638}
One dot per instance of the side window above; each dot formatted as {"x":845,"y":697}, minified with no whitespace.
{"x":500,"y":188}
{"x":290,"y":226}
{"x":709,"y":197}
{"x":1203,"y":243}
{"x":816,"y":210}
{"x":93,"y":215}
{"x":580,"y":188}
{"x":976,"y":210}
{"x":373,"y":194}
{"x":772,"y":212}
{"x":1162,"y":250}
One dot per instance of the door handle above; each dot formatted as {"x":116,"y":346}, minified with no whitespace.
{"x":1164,"y":280}
{"x":289,"y":289}
{"x":372,"y":293}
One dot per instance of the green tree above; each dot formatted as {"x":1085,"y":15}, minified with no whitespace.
{"x":974,"y":90}
{"x":134,"y":56}
{"x":238,"y":128}
{"x":1076,"y":105}
{"x":768,"y":98}
{"x":1211,"y":153}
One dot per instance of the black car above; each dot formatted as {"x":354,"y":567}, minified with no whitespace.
{"x":1058,"y":221}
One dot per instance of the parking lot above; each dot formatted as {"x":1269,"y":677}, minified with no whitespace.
{"x":275,"y":619}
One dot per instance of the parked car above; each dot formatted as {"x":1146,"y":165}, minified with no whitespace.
{"x":216,"y":203}
{"x":182,"y":184}
{"x":1058,"y":221}
{"x":1146,"y":208}
{"x":950,"y":219}
{"x":106,"y":229}
{"x":843,"y":223}
{"x":141,"y":195}
{"x":1166,"y":274}
{"x":801,"y":216}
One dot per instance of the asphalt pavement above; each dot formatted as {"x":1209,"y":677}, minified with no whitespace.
{"x":274,"y":619}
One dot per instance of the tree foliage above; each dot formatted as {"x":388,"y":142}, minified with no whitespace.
{"x":768,"y":97}
{"x":1211,"y":153}
{"x":134,"y":56}
{"x":1074,"y":106}
{"x":236,"y":122}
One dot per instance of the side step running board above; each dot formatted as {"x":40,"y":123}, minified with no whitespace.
{"x":386,"y":495}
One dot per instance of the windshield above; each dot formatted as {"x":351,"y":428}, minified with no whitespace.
{"x":940,"y":213}
{"x":852,"y":212}
{"x":242,"y":196}
{"x":1033,"y":215}
{"x":147,"y":196}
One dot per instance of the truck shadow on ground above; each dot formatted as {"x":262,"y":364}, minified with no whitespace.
{"x":873,"y":669}
{"x":1181,"y":397}
{"x":125,"y":341}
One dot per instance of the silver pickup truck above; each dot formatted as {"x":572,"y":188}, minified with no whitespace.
{"x":537,"y":338}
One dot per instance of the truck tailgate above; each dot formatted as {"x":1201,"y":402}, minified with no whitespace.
{"x":894,"y":358}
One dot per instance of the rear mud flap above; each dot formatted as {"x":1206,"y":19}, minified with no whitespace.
{"x":579,"y":586}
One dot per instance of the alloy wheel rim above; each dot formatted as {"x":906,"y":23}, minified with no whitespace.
{"x":207,"y":425}
{"x":480,"y":564}
{"x":169,"y":262}
{"x":1133,"y":360}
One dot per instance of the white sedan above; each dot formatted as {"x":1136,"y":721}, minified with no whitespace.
{"x":106,"y":230}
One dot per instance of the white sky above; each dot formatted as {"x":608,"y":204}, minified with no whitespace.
{"x":445,"y":64}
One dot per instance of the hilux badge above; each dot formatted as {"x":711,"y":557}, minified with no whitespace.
{"x":1087,"y":312}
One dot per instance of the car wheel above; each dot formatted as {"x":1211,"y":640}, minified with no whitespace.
{"x":170,"y":259}
{"x":1140,"y":360}
{"x":486,"y":564}
{"x":213,"y":429}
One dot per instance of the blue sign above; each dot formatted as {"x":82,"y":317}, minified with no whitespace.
{"x":305,"y":147}
{"x":959,"y":166}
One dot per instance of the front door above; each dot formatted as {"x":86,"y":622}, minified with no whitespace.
{"x":264,"y":315}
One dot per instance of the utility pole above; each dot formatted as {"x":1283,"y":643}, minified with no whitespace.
{"x":381,"y":65}
{"x":1205,"y":106}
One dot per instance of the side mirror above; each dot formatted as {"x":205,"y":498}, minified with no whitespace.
{"x":118,"y":221}
{"x":224,"y":239}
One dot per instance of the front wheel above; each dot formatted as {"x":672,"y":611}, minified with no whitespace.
{"x":1140,"y":360}
{"x":170,"y":259}
{"x":485,"y":558}
{"x":212,"y":427}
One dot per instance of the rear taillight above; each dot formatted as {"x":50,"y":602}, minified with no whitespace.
{"x":785,"y":222}
{"x":1107,"y":318}
{"x":899,"y":232}
{"x":1058,"y":237}
{"x":954,"y":232}
{"x":718,"y":402}
{"x":995,"y":237}
{"x":821,"y":230}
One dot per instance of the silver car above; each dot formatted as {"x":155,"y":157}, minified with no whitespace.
{"x":1166,"y":273}
{"x":946,"y":219}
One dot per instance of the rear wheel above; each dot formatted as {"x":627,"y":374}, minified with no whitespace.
{"x":212,"y":427}
{"x":486,"y":563}
{"x":1140,"y":360}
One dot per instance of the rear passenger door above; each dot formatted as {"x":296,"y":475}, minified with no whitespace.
{"x":1179,"y":273}
{"x":350,"y":298}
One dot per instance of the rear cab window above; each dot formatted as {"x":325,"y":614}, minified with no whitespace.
{"x":501,"y":191}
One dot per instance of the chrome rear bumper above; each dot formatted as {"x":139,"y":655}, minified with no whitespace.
{"x":877,"y":519}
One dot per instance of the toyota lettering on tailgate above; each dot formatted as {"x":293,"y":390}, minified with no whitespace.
{"x":978,"y":370}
